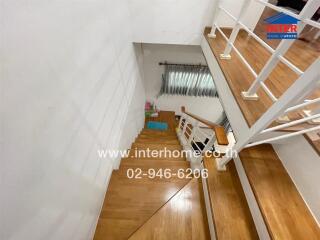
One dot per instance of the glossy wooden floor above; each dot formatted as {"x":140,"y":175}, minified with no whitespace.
{"x":239,"y":77}
{"x":183,"y":217}
{"x":131,"y":203}
{"x":231,"y":214}
{"x":284,"y":211}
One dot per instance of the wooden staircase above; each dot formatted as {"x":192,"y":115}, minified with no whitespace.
{"x":276,"y":206}
{"x":133,"y":207}
{"x":285,"y":213}
{"x":178,"y":208}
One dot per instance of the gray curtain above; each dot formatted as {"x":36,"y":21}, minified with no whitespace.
{"x":188,"y":81}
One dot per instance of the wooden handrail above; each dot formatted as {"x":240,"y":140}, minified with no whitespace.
{"x":218,"y":130}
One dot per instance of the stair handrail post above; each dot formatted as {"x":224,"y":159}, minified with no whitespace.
{"x":235,"y":30}
{"x":302,"y":87}
{"x":307,"y":12}
{"x":216,"y":11}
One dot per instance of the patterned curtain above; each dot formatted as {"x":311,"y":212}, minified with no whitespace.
{"x":188,"y":80}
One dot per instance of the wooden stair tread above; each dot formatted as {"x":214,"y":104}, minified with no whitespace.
{"x":129,"y":203}
{"x":283,"y":209}
{"x":148,"y":130}
{"x":152,"y":163}
{"x":183,"y":217}
{"x":154,"y":132}
{"x":228,"y":203}
{"x":160,"y":158}
{"x":155,"y":146}
{"x":157,"y":134}
{"x":151,"y":135}
{"x":158,"y":141}
{"x":141,"y":137}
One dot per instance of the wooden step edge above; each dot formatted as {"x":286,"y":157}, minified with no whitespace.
{"x":167,"y":163}
{"x":157,"y":135}
{"x":158,"y":131}
{"x":228,"y":203}
{"x":157,"y":141}
{"x":143,"y":146}
{"x":282,"y":207}
{"x":161,"y":144}
{"x":157,"y":138}
{"x":172,"y":159}
{"x":147,"y":136}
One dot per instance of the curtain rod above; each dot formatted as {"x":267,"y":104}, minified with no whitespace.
{"x":178,"y":64}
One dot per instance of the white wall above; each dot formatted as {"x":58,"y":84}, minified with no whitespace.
{"x":303,"y":166}
{"x":68,"y":77}
{"x":182,"y":21}
{"x":205,"y":107}
{"x":208,"y":108}
{"x":250,"y":19}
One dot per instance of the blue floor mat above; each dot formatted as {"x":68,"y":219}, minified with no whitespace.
{"x":157,"y":125}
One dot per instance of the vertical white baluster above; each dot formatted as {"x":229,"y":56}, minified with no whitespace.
{"x":306,"y":13}
{"x":216,"y":11}
{"x":193,"y":132}
{"x":210,"y":143}
{"x":235,"y":31}
{"x":301,"y":88}
{"x":184,"y":127}
{"x":181,"y":120}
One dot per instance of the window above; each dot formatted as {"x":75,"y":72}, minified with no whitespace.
{"x":187,"y":80}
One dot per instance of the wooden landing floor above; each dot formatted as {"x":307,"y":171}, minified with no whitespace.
{"x":166,"y":117}
{"x":284,"y":211}
{"x":183,"y":217}
{"x":239,"y":77}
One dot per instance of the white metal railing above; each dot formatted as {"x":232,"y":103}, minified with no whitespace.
{"x":294,"y":98}
{"x":277,"y":54}
{"x":287,"y":103}
{"x":192,"y":135}
{"x":200,"y":136}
